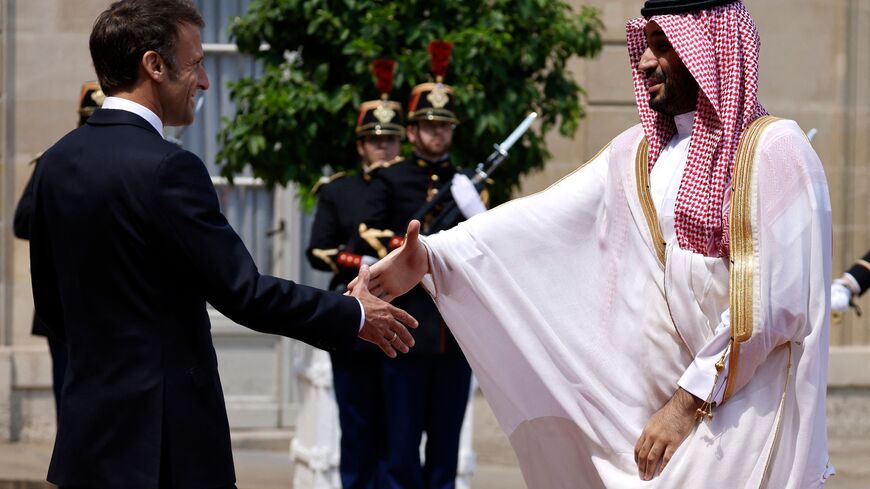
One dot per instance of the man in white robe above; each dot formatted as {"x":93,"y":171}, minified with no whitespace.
{"x":658,"y":318}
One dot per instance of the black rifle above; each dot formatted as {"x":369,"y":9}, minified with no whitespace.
{"x":450,"y":214}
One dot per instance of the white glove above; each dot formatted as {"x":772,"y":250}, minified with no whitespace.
{"x":368,"y":260}
{"x":840,"y":297}
{"x":466,"y":196}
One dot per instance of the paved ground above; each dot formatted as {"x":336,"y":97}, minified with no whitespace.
{"x":23,"y":465}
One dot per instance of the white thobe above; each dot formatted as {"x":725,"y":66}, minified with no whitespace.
{"x":578,"y":333}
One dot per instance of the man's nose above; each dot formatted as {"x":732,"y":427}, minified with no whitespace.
{"x":203,"y":80}
{"x":647,"y":61}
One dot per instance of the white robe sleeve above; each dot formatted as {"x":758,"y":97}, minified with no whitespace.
{"x":791,"y":233}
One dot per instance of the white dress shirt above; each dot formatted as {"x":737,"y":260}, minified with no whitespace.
{"x":118,"y":103}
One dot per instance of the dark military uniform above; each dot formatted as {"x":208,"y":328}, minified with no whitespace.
{"x":860,"y":271}
{"x":394,"y":197}
{"x":334,"y":247}
{"x":427,"y":389}
{"x":357,"y":374}
{"x":334,"y":231}
{"x":90,"y":99}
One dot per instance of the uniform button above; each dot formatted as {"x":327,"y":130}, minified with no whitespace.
{"x":434,"y":178}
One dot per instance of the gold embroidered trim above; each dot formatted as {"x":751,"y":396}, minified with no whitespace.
{"x":742,"y":256}
{"x":643,"y":194}
{"x":863,"y":263}
{"x":326,"y":257}
{"x":373,"y":238}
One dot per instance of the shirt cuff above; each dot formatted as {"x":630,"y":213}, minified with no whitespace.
{"x":428,"y":281}
{"x":700,"y":379}
{"x":362,"y":315}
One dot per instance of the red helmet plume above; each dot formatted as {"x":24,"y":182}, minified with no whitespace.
{"x":439,"y":53}
{"x":383,"y":70}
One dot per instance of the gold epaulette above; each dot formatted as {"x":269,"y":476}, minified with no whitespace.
{"x":326,"y":180}
{"x":385,"y":164}
{"x":369,"y":174}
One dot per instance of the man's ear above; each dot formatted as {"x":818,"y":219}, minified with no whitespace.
{"x":154,"y":66}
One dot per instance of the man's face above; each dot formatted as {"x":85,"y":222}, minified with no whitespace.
{"x":178,"y":93}
{"x":431,"y":139}
{"x":672,"y":89}
{"x":374,"y":149}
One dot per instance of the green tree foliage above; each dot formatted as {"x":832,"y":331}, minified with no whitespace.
{"x":509,"y":59}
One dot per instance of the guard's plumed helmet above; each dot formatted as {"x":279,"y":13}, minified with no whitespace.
{"x":381,"y":117}
{"x":434,"y":101}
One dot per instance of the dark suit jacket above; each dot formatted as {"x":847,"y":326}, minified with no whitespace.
{"x":21,"y":227}
{"x":127,"y":245}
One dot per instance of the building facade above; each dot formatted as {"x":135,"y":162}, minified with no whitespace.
{"x":815,"y":68}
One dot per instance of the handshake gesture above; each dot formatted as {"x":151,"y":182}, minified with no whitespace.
{"x":385,"y":325}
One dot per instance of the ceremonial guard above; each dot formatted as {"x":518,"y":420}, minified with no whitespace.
{"x":428,"y":390}
{"x":334,"y":248}
{"x":90,"y":99}
{"x":853,"y":284}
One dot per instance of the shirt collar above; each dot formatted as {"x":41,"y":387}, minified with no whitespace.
{"x":118,"y":103}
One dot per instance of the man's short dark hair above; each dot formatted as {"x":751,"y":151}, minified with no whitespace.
{"x":128,"y":29}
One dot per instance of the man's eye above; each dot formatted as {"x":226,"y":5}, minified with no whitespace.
{"x":663,"y":46}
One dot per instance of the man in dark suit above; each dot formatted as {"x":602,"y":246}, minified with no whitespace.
{"x":128,"y":244}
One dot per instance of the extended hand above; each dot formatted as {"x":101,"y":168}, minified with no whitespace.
{"x":384,"y":323}
{"x":401,"y":270}
{"x":664,"y":433}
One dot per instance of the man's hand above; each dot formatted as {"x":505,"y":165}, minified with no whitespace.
{"x":384,"y":323}
{"x":664,"y":433}
{"x":399,"y":271}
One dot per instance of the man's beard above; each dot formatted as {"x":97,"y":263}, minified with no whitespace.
{"x":679,"y":96}
{"x":435,"y":149}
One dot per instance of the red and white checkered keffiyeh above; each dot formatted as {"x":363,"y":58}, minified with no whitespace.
{"x":720,"y":48}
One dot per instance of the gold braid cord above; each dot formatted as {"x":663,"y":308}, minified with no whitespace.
{"x":326,"y":256}
{"x":373,"y":238}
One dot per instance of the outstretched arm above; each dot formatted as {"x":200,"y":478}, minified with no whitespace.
{"x":401,"y":270}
